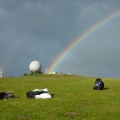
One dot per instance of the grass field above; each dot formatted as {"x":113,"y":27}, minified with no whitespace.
{"x":73,"y":99}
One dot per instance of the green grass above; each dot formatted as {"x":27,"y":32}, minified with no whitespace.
{"x":73,"y":99}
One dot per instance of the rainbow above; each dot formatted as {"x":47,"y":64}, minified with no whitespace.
{"x":84,"y":35}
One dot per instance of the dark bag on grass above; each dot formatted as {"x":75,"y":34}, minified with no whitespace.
{"x":99,"y":84}
{"x":31,"y":94}
{"x":8,"y":95}
{"x":5,"y":95}
{"x":2,"y":95}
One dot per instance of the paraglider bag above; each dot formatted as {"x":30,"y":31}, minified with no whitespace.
{"x":99,"y":84}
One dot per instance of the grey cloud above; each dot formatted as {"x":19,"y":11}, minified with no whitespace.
{"x":42,"y":29}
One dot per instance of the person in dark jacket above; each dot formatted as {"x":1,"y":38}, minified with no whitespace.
{"x":99,"y":84}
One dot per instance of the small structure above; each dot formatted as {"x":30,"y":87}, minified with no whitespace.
{"x":52,"y":72}
{"x":1,"y":72}
{"x":46,"y":70}
{"x":69,"y":74}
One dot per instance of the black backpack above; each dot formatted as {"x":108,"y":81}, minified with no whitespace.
{"x":2,"y":95}
{"x":5,"y":95}
{"x":31,"y":94}
{"x":99,"y":84}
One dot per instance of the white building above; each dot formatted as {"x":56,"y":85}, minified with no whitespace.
{"x":52,"y":72}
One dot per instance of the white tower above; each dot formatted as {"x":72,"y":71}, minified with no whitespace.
{"x":46,"y":70}
{"x":1,"y":72}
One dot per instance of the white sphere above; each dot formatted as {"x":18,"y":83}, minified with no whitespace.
{"x":34,"y":66}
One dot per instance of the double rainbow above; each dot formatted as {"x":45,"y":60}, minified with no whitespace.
{"x":85,"y":34}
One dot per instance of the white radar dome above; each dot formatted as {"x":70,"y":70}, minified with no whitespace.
{"x":35,"y":66}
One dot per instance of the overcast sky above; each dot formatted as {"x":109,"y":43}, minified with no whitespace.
{"x":42,"y":29}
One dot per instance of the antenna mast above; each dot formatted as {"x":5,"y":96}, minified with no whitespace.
{"x":1,"y":72}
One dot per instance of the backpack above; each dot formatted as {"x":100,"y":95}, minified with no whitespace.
{"x":32,"y":93}
{"x":2,"y":95}
{"x":99,"y":84}
{"x":8,"y":95}
{"x":5,"y":95}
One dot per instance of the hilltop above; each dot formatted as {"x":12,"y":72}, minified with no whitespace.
{"x":73,"y":98}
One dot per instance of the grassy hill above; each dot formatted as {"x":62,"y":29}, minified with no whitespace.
{"x":73,"y":99}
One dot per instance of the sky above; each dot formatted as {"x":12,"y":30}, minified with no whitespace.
{"x":42,"y":29}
